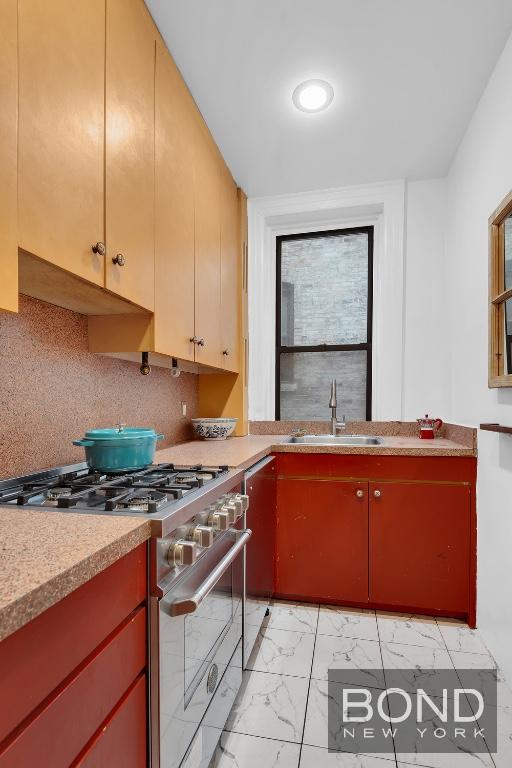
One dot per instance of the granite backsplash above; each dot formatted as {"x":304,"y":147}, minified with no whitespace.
{"x":52,"y":389}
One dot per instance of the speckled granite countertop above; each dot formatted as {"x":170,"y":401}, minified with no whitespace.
{"x":242,"y":452}
{"x":46,"y":555}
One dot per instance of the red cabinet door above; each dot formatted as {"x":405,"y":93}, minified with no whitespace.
{"x":322,"y":540}
{"x":420,"y":545}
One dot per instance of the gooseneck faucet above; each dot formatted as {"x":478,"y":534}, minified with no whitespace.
{"x":333,"y":405}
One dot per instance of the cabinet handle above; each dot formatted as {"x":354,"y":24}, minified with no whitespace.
{"x":377,"y":494}
{"x":359,"y":493}
{"x":99,"y":248}
{"x":193,"y":339}
{"x":225,"y":352}
{"x":118,"y":259}
{"x":201,"y":343}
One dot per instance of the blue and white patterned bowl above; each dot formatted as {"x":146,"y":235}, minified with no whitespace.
{"x":214,"y":429}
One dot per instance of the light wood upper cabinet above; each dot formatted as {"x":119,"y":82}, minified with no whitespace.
{"x":8,"y":115}
{"x":61,"y":132}
{"x":230,"y":271}
{"x":174,"y":210}
{"x":129,"y":152}
{"x":207,"y":248}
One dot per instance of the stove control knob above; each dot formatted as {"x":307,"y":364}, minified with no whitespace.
{"x":243,"y":499}
{"x":235,"y":500}
{"x":231,"y":511}
{"x":202,"y":535}
{"x":219,"y":520}
{"x":182,"y":552}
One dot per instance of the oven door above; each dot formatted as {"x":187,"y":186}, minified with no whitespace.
{"x":199,"y":628}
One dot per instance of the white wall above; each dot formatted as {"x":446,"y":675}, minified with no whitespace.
{"x":481,"y":175}
{"x":426,"y":355}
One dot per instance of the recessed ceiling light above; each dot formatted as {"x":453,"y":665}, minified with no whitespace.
{"x":313,"y":95}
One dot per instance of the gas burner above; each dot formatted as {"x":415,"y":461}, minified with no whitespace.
{"x":53,"y":495}
{"x":138,"y":501}
{"x":188,"y":478}
{"x":93,"y":478}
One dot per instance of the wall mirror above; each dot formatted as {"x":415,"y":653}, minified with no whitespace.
{"x":500,"y":295}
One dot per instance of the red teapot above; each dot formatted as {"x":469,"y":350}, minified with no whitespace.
{"x":428,"y":427}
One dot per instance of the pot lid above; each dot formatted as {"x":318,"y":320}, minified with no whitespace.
{"x":119,"y":432}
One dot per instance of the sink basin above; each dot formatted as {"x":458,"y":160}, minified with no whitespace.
{"x":335,"y":440}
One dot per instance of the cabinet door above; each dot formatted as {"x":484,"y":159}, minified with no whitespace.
{"x":230,"y":271}
{"x":322,"y":540}
{"x":8,"y":128}
{"x":61,"y":127}
{"x":207,"y":248}
{"x":419,"y":545}
{"x":174,"y":211}
{"x":130,"y":156}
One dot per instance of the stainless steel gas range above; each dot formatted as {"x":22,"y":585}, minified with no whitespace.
{"x":196,"y":582}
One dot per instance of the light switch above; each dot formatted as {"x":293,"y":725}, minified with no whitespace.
{"x":183,"y":409}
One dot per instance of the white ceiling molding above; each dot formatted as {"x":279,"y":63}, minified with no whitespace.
{"x":382,"y":205}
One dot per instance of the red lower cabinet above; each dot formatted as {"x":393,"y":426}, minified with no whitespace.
{"x":121,"y":742}
{"x":322,"y":540}
{"x":388,"y":532}
{"x":74,"y":679}
{"x":420,"y":545}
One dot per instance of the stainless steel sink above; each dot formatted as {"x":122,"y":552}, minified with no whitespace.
{"x":334,"y":440}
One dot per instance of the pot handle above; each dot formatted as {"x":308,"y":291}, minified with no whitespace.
{"x":438,"y":423}
{"x":84,"y":443}
{"x":160,"y":437}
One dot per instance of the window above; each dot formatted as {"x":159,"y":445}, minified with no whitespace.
{"x":500,"y":295}
{"x":324,"y":324}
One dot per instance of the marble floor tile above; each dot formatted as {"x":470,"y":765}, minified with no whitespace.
{"x":283,"y":652}
{"x":351,"y":655}
{"x":446,"y":761}
{"x":459,"y":637}
{"x":347,"y":622}
{"x":236,"y":750}
{"x":271,"y":706}
{"x":503,"y":756}
{"x":412,"y":751}
{"x":418,"y":661}
{"x":409,"y":630}
{"x":296,"y":617}
{"x":463,"y":660}
{"x":316,"y":757}
{"x":316,"y":731}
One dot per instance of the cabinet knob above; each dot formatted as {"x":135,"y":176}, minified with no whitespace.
{"x":193,"y":339}
{"x":377,"y":494}
{"x":201,"y":343}
{"x":118,"y":259}
{"x":99,"y":248}
{"x":359,"y":493}
{"x":225,"y":352}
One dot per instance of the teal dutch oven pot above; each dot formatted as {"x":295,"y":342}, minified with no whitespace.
{"x":119,"y":449}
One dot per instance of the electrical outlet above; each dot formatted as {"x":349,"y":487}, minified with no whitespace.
{"x":183,"y":409}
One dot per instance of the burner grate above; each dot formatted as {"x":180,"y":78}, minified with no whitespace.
{"x":83,"y":488}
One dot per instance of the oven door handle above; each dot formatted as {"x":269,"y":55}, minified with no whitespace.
{"x":190,"y":604}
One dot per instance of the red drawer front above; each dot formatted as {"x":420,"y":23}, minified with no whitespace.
{"x":371,"y":467}
{"x":121,"y":741}
{"x":37,"y":658}
{"x":60,"y":729}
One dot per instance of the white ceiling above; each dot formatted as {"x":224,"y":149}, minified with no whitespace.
{"x":407,"y":76}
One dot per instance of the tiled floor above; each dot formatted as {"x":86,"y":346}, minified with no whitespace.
{"x":280,"y":716}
